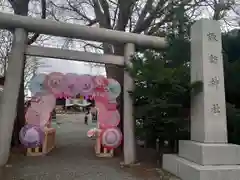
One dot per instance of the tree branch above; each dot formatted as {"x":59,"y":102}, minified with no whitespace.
{"x":72,"y":7}
{"x":105,"y":7}
{"x":125,"y":11}
{"x":147,"y":8}
{"x":115,"y":15}
{"x":75,"y":9}
{"x":159,"y":9}
{"x":168,"y":16}
{"x":102,"y":13}
{"x":99,"y":47}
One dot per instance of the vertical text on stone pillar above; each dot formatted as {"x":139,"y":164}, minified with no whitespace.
{"x":214,"y":81}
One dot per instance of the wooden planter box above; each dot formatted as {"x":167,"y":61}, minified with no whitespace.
{"x":100,"y":151}
{"x":48,"y":144}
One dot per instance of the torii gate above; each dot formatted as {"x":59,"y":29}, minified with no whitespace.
{"x":22,"y":25}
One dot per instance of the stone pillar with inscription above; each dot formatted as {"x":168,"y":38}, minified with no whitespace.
{"x":207,"y":156}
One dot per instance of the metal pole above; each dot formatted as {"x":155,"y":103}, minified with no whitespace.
{"x":129,"y":145}
{"x":10,"y":93}
{"x":42,"y":26}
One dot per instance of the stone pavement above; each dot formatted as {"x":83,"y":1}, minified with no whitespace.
{"x":73,"y":159}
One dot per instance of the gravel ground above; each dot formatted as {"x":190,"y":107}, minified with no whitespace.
{"x":74,"y":159}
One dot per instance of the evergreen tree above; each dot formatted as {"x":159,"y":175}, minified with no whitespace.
{"x":162,"y":86}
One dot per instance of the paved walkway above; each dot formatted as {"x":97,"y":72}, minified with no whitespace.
{"x":73,"y":159}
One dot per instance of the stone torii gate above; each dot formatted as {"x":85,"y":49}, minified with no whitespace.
{"x":207,"y":156}
{"x":21,"y":25}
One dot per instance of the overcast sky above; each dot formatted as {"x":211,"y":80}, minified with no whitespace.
{"x":67,"y":66}
{"x":64,"y":66}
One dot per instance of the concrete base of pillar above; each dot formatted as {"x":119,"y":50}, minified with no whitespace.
{"x":210,"y":153}
{"x":187,"y":170}
{"x":204,"y":161}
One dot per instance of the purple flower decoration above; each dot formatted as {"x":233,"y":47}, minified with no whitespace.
{"x":31,"y":136}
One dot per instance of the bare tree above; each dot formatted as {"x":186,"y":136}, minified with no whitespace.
{"x":221,"y":10}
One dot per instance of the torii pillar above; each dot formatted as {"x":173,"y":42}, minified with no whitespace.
{"x":10,"y":93}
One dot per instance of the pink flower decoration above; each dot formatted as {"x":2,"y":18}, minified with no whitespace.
{"x":101,"y":105}
{"x":110,"y":119}
{"x":68,"y":85}
{"x":33,"y":116}
{"x":112,"y":106}
{"x":85,"y":85}
{"x":31,"y":136}
{"x":92,"y":132}
{"x":106,"y":118}
{"x":101,"y":99}
{"x":43,"y":101}
{"x":53,"y":82}
{"x":37,"y":117}
{"x":111,"y":138}
{"x":100,"y":83}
